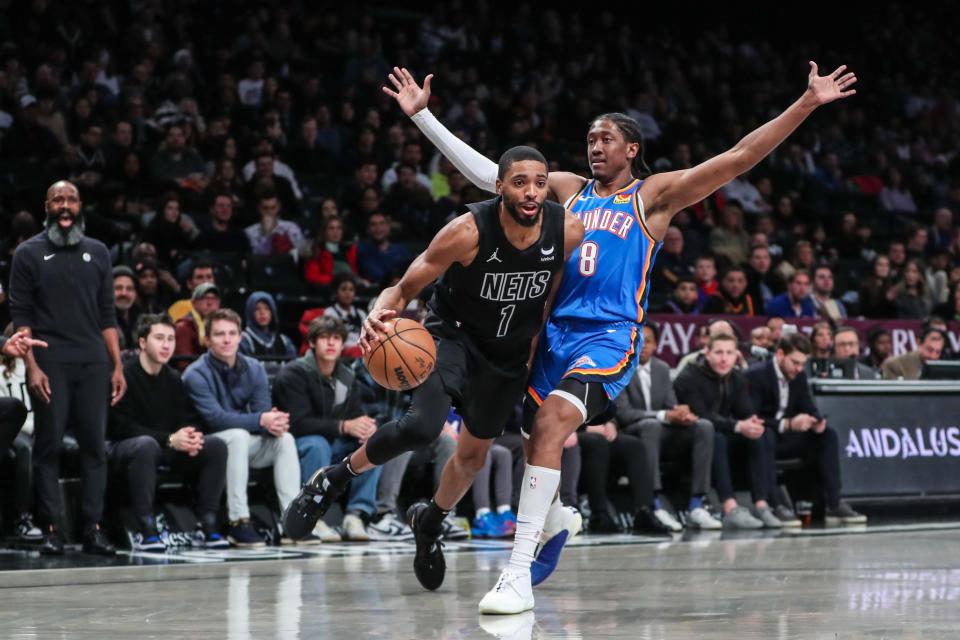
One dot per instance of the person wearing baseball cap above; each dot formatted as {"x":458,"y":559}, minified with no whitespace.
{"x":191,"y":333}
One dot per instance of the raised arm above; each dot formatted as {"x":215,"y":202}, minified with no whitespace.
{"x":457,"y":241}
{"x":665,"y":194}
{"x":475,"y":167}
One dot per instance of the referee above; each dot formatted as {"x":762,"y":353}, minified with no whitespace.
{"x":61,"y":291}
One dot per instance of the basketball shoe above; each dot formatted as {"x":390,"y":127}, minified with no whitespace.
{"x":311,"y":503}
{"x":552,"y":543}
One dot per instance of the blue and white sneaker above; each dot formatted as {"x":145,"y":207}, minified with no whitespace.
{"x":552,"y":543}
{"x":148,"y":541}
{"x":212,"y":540}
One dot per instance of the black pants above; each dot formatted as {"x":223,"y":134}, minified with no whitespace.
{"x":137,"y":459}
{"x":570,"y":468}
{"x":626,"y":452}
{"x":12,"y":415}
{"x":822,"y":448}
{"x":80,"y":399}
{"x":730,"y":447}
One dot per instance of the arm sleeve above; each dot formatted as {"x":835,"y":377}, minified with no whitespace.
{"x":293,"y":397}
{"x":476,"y":167}
{"x":22,"y":286}
{"x":214,"y":415}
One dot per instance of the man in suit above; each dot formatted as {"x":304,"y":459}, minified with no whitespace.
{"x":909,"y":366}
{"x":648,"y":408}
{"x":781,"y":397}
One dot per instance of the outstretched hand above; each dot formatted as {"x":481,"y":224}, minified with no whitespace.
{"x":831,"y":87}
{"x":409,"y":95}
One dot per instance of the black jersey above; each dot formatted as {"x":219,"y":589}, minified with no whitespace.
{"x":498,"y":300}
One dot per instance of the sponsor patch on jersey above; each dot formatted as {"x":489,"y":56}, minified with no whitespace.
{"x":584,"y":361}
{"x":623,"y":198}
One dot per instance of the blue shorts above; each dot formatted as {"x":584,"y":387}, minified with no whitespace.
{"x":601,"y":353}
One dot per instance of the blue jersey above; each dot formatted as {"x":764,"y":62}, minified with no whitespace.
{"x":607,"y":279}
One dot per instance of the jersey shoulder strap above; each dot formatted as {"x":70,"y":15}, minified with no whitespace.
{"x":576,"y":195}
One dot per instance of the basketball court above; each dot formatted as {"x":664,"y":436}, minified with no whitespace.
{"x":881,"y":581}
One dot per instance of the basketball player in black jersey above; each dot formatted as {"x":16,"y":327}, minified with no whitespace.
{"x":500,"y":265}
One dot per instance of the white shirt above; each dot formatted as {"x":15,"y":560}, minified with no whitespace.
{"x":784,"y":386}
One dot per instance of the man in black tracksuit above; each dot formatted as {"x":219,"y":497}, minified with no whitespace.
{"x":61,"y":291}
{"x":716,"y":391}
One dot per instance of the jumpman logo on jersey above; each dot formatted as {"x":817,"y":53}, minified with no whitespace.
{"x":494,"y":256}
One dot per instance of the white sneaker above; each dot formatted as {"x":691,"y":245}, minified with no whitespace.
{"x":519,"y":627}
{"x":353,"y":529}
{"x":571,"y":521}
{"x":451,"y":529}
{"x":700,"y":518}
{"x":325,"y":532}
{"x":667,"y":520}
{"x":512,"y":594}
{"x":390,"y":527}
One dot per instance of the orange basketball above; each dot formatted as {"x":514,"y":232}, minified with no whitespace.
{"x":404,"y":357}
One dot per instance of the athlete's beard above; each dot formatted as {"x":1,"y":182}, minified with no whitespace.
{"x":518,"y":217}
{"x":64,"y":238}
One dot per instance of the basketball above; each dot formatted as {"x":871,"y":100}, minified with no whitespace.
{"x":404,"y":357}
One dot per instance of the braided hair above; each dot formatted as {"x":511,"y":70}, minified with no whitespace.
{"x":630,"y":129}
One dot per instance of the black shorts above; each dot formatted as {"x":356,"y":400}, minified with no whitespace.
{"x":484,"y":391}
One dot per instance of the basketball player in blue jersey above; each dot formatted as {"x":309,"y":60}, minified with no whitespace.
{"x":590,"y":344}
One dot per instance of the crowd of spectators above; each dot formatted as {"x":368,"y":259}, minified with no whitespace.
{"x":242,"y":156}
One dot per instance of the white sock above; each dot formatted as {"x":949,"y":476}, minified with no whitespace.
{"x":539,"y":488}
{"x":482,"y":511}
{"x":553,"y":522}
{"x":503,"y":508}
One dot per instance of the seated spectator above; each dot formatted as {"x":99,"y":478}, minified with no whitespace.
{"x":648,"y":408}
{"x":264,"y":179}
{"x":273,"y":236}
{"x":897,"y":253}
{"x":826,"y":305}
{"x":411,"y":154}
{"x":821,"y":339}
{"x":877,"y":292}
{"x":781,"y":396}
{"x":345,"y":292}
{"x":713,"y":328}
{"x":332,"y":255}
{"x":175,"y":164}
{"x":911,"y":295}
{"x":280,"y":169}
{"x":125,"y":305}
{"x":895,"y":196}
{"x":153,"y":295}
{"x":262,"y":336}
{"x":377,"y":256}
{"x":219,"y":234}
{"x":705,"y":272}
{"x":673,"y":262}
{"x":171,"y":232}
{"x":763,"y":283}
{"x":729,"y":241}
{"x":936,"y":274}
{"x":909,"y":366}
{"x":229,"y":390}
{"x":796,"y":302}
{"x":322,"y":396}
{"x":732,"y":297}
{"x":880,"y":343}
{"x":409,"y":204}
{"x":941,"y":232}
{"x":846,"y":346}
{"x":150,"y":426}
{"x":717,"y":392}
{"x":192,"y":328}
{"x":685,"y":299}
{"x":200,"y":273}
{"x":365,"y":176}
{"x":742,"y":190}
{"x":803,"y":259}
{"x":761,"y":342}
{"x":16,"y":432}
